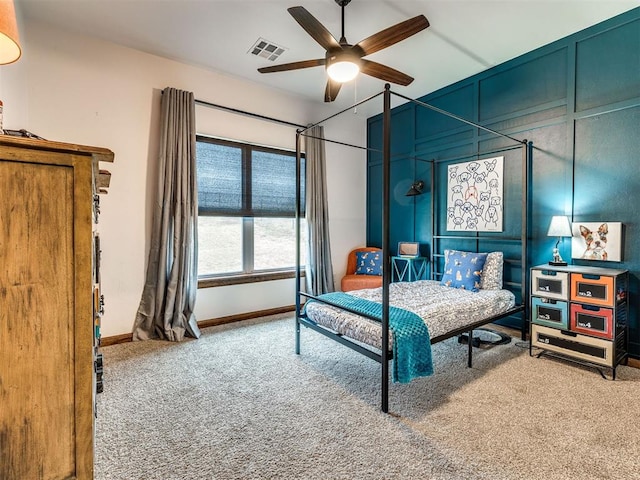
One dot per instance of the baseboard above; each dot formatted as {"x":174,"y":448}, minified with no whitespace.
{"x":634,"y":362}
{"x":128,"y":337}
{"x":124,"y":338}
{"x":245,"y":316}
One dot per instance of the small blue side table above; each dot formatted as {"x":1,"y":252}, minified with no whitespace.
{"x":408,"y":269}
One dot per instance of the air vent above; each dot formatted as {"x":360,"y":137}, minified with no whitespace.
{"x":266,"y":49}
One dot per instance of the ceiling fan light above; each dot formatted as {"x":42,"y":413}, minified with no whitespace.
{"x":343,"y":71}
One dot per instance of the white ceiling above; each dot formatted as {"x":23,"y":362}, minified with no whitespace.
{"x":465,"y":36}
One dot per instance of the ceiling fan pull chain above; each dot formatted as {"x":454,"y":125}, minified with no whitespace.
{"x":355,"y":96}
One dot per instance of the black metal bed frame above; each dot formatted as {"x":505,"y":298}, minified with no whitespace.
{"x":385,"y":355}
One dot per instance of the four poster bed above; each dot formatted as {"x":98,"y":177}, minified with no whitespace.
{"x":400,"y":321}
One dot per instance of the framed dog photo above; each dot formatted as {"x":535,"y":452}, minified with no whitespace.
{"x":597,"y":241}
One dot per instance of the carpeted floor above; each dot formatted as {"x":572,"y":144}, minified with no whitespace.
{"x":239,"y":404}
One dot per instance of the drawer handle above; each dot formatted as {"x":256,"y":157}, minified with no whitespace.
{"x":592,"y":308}
{"x":549,"y":273}
{"x":590,"y":276}
{"x":568,"y":333}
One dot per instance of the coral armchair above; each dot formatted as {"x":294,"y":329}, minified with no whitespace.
{"x":353,"y":281}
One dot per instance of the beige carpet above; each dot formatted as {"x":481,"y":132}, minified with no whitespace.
{"x":239,"y":404}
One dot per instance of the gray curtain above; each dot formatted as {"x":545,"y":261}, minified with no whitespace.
{"x":168,"y":299}
{"x":319,"y":271}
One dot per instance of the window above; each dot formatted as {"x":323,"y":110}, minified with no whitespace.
{"x":246,"y":208}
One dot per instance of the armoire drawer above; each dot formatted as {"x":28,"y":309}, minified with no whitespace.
{"x":550,"y":312}
{"x":550,"y":284}
{"x":590,"y":349}
{"x":593,"y":289}
{"x":592,"y":320}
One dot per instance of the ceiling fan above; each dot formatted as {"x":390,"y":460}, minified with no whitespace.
{"x":342,"y":60}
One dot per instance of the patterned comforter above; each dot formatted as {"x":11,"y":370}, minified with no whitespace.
{"x":442,"y":309}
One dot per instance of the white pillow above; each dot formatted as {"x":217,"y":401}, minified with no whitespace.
{"x":492,"y":272}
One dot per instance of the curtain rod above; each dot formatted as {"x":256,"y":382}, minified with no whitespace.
{"x":339,"y":142}
{"x":249,"y":114}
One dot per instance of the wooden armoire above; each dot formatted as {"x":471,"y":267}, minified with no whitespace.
{"x":49,"y":201}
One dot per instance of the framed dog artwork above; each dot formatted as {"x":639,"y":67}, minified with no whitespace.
{"x":597,"y":241}
{"x":475,"y":195}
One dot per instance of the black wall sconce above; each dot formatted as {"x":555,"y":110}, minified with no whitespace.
{"x":416,"y":189}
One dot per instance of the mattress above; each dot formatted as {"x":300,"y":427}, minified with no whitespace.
{"x":443,"y":309}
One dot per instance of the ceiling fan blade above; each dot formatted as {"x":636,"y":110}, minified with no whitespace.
{"x":314,"y":28}
{"x":392,"y":35}
{"x":383,"y":72}
{"x":331,"y":90}
{"x":293,"y":66}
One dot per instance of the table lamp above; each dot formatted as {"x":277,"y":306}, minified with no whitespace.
{"x":559,"y":227}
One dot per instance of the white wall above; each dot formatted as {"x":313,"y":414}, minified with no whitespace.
{"x":83,"y":90}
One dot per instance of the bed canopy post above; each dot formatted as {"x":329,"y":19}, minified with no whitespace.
{"x":297,"y":210}
{"x":527,"y":150}
{"x":386,"y":271}
{"x":434,"y":196}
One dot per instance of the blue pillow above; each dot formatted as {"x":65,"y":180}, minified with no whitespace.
{"x":368,"y":263}
{"x":463,"y":269}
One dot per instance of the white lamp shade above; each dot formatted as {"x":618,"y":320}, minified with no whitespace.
{"x":9,"y":41}
{"x":559,"y":227}
{"x":343,"y":71}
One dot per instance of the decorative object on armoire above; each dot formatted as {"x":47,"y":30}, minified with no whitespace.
{"x":22,"y":133}
{"x":169,"y":294}
{"x":559,"y":227}
{"x":415,"y":189}
{"x":475,"y":195}
{"x":597,"y":241}
{"x":9,"y":39}
{"x":48,"y":335}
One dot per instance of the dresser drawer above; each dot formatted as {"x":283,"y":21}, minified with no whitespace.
{"x":590,"y":349}
{"x":550,"y":284}
{"x":592,"y":320}
{"x":593,"y":289}
{"x":550,"y":312}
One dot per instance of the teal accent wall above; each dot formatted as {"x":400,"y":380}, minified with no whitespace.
{"x":577,"y":100}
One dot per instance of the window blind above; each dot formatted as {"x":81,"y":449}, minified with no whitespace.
{"x":242,"y":180}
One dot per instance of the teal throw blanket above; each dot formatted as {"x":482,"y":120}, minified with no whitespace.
{"x":411,"y":345}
